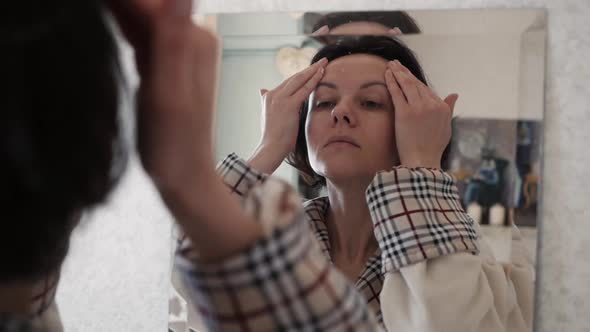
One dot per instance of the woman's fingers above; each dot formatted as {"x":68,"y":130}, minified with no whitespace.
{"x":324,"y":30}
{"x":408,"y":86}
{"x":423,"y":125}
{"x":397,"y":96}
{"x":166,"y":112}
{"x":309,"y":86}
{"x":296,"y":82}
{"x":427,"y":94}
{"x":263,"y":93}
{"x":397,"y":65}
{"x":451,"y":100}
{"x":394,"y":32}
{"x":424,"y":89}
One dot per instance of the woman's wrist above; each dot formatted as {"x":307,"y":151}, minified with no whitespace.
{"x":267,"y":158}
{"x":416,"y":163}
{"x":179,"y":186}
{"x":207,"y":210}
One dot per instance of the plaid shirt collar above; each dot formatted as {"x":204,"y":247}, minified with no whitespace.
{"x":370,"y":281}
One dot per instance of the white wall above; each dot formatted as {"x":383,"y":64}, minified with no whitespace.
{"x":483,"y":69}
{"x":248,"y":65}
{"x":475,"y":21}
{"x":532,"y":65}
{"x":238,"y":118}
{"x":494,"y":59}
{"x":117,"y":275}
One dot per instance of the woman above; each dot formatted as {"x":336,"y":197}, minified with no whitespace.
{"x":392,"y":223}
{"x":61,"y":143}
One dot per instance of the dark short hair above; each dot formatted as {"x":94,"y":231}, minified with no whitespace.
{"x":60,"y":143}
{"x":390,"y":19}
{"x":339,"y":46}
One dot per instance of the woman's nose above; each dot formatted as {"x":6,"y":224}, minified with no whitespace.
{"x":342,"y":115}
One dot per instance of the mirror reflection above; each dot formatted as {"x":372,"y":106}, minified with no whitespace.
{"x":341,"y":105}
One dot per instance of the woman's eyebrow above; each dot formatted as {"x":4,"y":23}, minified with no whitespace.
{"x":372,"y":83}
{"x":364,"y":86}
{"x":327,"y":85}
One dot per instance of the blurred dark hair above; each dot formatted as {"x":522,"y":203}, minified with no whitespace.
{"x":390,"y":19}
{"x":382,"y":46}
{"x":60,"y":143}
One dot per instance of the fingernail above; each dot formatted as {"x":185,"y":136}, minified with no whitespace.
{"x":398,"y":63}
{"x":321,"y":63}
{"x":395,"y":32}
{"x":321,"y":31}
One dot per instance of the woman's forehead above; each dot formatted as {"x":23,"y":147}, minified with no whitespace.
{"x":355,"y":68}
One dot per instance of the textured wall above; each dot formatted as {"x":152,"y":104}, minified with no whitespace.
{"x":117,"y":276}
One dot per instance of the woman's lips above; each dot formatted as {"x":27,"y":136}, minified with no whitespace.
{"x":342,"y":141}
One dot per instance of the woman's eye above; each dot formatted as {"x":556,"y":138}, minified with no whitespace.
{"x":369,"y":104}
{"x":325,"y":104}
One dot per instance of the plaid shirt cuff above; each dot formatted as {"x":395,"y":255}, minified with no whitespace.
{"x":417,"y":215}
{"x":281,"y":282}
{"x":238,"y":175}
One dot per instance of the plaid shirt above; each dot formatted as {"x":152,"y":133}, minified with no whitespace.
{"x":370,"y":281}
{"x":285,"y":281}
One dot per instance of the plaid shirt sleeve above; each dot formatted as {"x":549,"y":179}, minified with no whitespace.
{"x":434,"y":269}
{"x":281,"y":282}
{"x":238,"y":175}
{"x":417,"y":216}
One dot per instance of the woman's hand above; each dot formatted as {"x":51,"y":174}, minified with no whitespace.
{"x":422,"y":119}
{"x":178,"y":64}
{"x":280,"y":117}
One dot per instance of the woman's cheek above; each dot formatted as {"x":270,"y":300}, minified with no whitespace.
{"x":312,"y":130}
{"x":383,"y":137}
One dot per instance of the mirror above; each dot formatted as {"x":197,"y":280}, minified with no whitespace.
{"x":494,"y":60}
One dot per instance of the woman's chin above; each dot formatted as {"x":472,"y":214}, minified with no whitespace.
{"x":339,"y":167}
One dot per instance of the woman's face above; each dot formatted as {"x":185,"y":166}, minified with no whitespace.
{"x":350,"y":124}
